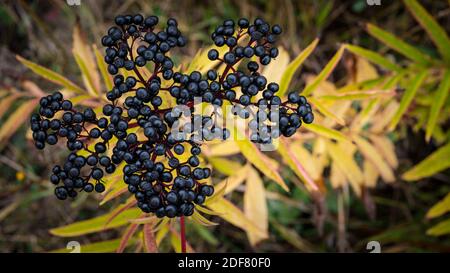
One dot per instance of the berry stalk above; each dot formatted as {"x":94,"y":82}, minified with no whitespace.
{"x":183,"y":234}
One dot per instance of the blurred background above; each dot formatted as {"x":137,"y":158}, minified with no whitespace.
{"x":394,"y":213}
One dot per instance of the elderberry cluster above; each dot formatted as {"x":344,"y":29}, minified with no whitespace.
{"x":135,"y":130}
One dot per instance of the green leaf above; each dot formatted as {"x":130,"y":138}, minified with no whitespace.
{"x":398,"y":45}
{"x":51,"y":75}
{"x":434,"y":163}
{"x":440,"y":229}
{"x":96,"y":224}
{"x":326,"y":132}
{"x":440,"y":208}
{"x":407,"y":98}
{"x":374,"y":57}
{"x":436,"y":32}
{"x":325,"y":73}
{"x":437,"y":103}
{"x":293,"y":66}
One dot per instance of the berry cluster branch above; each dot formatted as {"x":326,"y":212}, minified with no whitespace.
{"x":161,"y":183}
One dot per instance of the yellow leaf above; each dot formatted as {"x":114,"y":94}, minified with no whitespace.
{"x":295,"y":164}
{"x":224,"y":165}
{"x":440,"y":208}
{"x":202,"y":220}
{"x":85,"y":74}
{"x":307,"y":159}
{"x":16,"y":119}
{"x":102,"y":67}
{"x":234,"y":216}
{"x":372,"y":154}
{"x":382,"y":119}
{"x":201,"y":63}
{"x":6,"y":102}
{"x":255,"y":206}
{"x":371,"y":174}
{"x":86,"y":61}
{"x":293,"y":66}
{"x":233,"y":181}
{"x":51,"y":75}
{"x":224,"y":148}
{"x":386,"y":148}
{"x":326,"y":132}
{"x":337,"y":178}
{"x":364,"y":70}
{"x":274,"y":70}
{"x":323,"y":109}
{"x":323,"y":75}
{"x":266,"y":165}
{"x":95,"y":224}
{"x":118,"y":190}
{"x":347,"y":165}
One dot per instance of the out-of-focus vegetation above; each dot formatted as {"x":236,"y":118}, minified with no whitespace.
{"x":377,"y":77}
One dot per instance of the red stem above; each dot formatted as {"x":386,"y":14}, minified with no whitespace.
{"x":183,"y":234}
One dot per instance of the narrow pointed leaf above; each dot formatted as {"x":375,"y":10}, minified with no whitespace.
{"x":98,"y":247}
{"x":434,"y":163}
{"x":234,"y":216}
{"x":51,"y":75}
{"x":294,"y":163}
{"x":439,"y":100}
{"x":129,"y":232}
{"x":372,"y":154}
{"x":436,"y":32}
{"x":149,"y":239}
{"x":408,"y":97}
{"x":102,"y":67}
{"x":347,"y":165}
{"x":293,"y":66}
{"x":440,"y":208}
{"x":255,"y":206}
{"x":260,"y":161}
{"x":373,"y":57}
{"x":323,"y":109}
{"x":440,"y":229}
{"x":95,"y":224}
{"x":16,"y":119}
{"x":398,"y":45}
{"x":325,"y":73}
{"x":326,"y":132}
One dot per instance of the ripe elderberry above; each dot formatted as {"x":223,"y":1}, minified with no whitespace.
{"x":173,"y":188}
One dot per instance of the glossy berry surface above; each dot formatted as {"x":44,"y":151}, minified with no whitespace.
{"x":133,"y":133}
